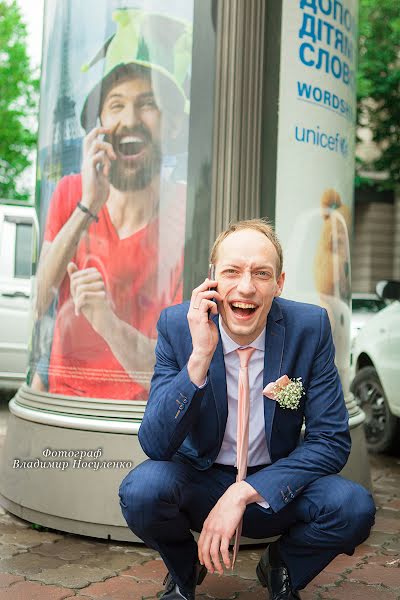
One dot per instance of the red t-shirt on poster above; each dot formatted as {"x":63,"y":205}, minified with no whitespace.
{"x":142,"y":274}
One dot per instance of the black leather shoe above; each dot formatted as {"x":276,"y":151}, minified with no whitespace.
{"x":172,"y":590}
{"x":275,"y":577}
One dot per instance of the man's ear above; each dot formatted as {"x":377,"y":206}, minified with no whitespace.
{"x":280,"y":283}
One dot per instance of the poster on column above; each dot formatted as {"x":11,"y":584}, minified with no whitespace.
{"x":112,"y":174}
{"x":315,"y":174}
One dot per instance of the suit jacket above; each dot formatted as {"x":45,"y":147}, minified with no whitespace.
{"x":188,"y":423}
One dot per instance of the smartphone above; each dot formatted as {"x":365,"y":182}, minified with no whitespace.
{"x":211,"y":275}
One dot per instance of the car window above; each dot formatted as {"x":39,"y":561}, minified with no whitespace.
{"x":23,"y":251}
{"x":367,"y":304}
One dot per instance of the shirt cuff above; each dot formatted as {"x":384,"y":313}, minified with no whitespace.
{"x":203,"y":385}
{"x":263,"y":504}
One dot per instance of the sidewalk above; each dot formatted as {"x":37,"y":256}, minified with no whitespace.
{"x":37,"y":565}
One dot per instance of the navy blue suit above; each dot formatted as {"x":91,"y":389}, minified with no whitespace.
{"x":318,"y":513}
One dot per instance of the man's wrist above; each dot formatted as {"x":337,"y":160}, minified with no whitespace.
{"x":107,"y":326}
{"x":197,"y":367}
{"x":246,"y":493}
{"x":88,"y":212}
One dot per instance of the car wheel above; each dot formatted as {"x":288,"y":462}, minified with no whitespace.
{"x":381,"y":426}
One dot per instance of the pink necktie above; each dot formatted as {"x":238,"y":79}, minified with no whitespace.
{"x":242,"y":438}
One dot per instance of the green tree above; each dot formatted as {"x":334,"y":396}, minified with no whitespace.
{"x":378,"y":89}
{"x":18,"y":102}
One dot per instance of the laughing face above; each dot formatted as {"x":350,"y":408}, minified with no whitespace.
{"x":246,"y":271}
{"x":130,"y":110}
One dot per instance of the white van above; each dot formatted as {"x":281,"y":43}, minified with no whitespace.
{"x":18,"y":244}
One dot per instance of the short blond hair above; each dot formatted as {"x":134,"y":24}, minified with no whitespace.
{"x":263,"y":226}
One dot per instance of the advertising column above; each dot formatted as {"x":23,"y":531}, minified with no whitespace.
{"x":316,"y":138}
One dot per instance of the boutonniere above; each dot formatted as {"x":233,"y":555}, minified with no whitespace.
{"x":287,"y":392}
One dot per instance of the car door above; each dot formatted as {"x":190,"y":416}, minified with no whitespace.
{"x":391,"y":358}
{"x":17,"y":239}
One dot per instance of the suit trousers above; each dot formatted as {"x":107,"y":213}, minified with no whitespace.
{"x":164,"y":501}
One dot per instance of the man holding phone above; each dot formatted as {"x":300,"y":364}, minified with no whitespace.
{"x":190,"y":425}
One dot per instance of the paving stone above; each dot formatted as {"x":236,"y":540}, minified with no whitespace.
{"x":120,"y":588}
{"x":246,"y":565}
{"x":111,"y":561}
{"x":71,"y":575}
{"x":28,"y":564}
{"x":26,"y":590}
{"x":385,"y":560}
{"x":379,"y":538}
{"x":9,"y":527}
{"x":154,"y":570}
{"x":376,"y":575}
{"x":8,"y":518}
{"x":146,"y":552}
{"x":392,"y":504}
{"x":324,"y":579}
{"x":133,"y":549}
{"x":67,"y":549}
{"x":259,"y":593}
{"x":394,"y":545}
{"x":387,"y":525}
{"x":389,"y":514}
{"x":27,"y":538}
{"x":7,"y":579}
{"x":353,"y":591}
{"x":217,"y":586}
{"x":343,"y":562}
{"x":9,"y":550}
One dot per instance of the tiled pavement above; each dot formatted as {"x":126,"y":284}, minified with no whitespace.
{"x":43,"y":565}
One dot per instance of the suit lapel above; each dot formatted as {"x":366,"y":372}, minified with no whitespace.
{"x":218,"y":384}
{"x":274,"y":343}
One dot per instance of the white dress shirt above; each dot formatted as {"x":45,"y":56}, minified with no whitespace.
{"x":258,"y":449}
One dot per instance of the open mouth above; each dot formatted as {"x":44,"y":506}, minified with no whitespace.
{"x":131,"y":146}
{"x":243,"y":309}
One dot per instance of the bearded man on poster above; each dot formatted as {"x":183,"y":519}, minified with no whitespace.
{"x":113,"y":243}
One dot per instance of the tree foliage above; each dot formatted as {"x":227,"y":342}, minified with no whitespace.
{"x":378,"y":89}
{"x":18,"y":102}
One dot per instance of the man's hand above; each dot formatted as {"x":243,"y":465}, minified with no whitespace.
{"x":90,"y":296}
{"x":218,"y":529}
{"x":203,"y":330}
{"x":221,"y":524}
{"x":96,"y":164}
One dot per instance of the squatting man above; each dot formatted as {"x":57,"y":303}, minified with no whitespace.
{"x":292,"y":487}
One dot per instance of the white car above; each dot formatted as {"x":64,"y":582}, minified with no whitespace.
{"x":376,"y":371}
{"x":363,"y":308}
{"x":18,"y":240}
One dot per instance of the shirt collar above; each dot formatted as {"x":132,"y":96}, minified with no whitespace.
{"x":228,"y":345}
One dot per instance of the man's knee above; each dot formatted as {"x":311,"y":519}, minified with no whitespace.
{"x":354,"y":510}
{"x":144,"y":491}
{"x":360,"y":511}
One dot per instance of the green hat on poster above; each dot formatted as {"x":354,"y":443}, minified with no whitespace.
{"x":159,"y":45}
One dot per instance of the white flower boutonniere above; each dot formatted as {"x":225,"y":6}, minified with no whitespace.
{"x":287,"y":392}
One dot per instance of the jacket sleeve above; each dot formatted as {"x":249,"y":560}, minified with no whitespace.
{"x":327,"y":441}
{"x":174,"y":401}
